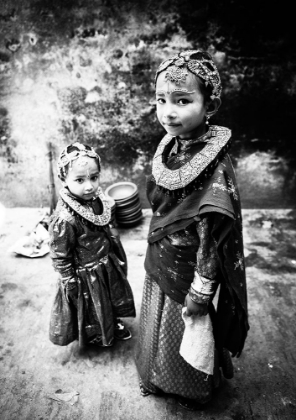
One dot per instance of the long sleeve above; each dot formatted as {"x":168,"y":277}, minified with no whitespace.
{"x":204,"y":284}
{"x":62,"y":243}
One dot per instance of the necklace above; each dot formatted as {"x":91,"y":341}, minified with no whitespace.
{"x":85,"y":211}
{"x":180,"y":178}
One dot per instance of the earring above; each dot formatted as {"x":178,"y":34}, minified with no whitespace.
{"x":207,"y":119}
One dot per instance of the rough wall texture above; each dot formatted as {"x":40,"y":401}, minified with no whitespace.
{"x":73,"y":69}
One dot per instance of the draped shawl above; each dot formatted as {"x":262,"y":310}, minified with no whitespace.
{"x":213,"y":191}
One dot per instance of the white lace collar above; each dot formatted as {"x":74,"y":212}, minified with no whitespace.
{"x":180,"y":178}
{"x":85,"y":211}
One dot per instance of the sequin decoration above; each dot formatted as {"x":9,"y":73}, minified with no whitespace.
{"x":87,"y":213}
{"x":176,"y":75}
{"x":180,"y":178}
{"x":240,"y":261}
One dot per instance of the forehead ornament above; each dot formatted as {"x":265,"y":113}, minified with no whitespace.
{"x":198,"y":62}
{"x":68,"y":157}
{"x":176,"y":75}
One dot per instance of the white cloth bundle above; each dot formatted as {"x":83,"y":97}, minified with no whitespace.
{"x":198,"y":345}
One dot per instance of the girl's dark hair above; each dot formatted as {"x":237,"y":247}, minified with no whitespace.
{"x":206,"y":91}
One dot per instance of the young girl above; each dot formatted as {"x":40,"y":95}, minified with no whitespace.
{"x":87,"y":253}
{"x":195,"y":237}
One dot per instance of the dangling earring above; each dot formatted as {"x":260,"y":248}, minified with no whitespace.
{"x":207,"y":119}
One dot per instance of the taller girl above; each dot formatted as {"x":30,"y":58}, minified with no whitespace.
{"x":195,"y":239}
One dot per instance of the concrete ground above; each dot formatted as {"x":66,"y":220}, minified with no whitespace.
{"x":43,"y":381}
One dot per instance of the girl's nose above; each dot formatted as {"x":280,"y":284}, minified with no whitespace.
{"x":88,"y":185}
{"x":170,"y":112}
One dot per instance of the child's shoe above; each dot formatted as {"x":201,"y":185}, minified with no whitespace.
{"x":121,"y":332}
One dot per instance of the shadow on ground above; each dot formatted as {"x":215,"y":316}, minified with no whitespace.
{"x":43,"y":381}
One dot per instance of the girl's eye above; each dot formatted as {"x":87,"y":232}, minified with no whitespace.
{"x":183,"y":101}
{"x":79,"y":180}
{"x":160,"y":101}
{"x":94,"y":178}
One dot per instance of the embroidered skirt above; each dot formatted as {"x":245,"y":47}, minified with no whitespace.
{"x":158,"y":361}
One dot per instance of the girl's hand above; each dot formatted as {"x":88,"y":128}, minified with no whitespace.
{"x":72,"y":291}
{"x":114,"y":232}
{"x":193,"y":308}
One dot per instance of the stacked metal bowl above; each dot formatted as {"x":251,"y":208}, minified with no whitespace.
{"x":128,"y":210}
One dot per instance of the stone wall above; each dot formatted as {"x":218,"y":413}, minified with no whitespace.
{"x":76,"y":70}
{"x":84,"y":69}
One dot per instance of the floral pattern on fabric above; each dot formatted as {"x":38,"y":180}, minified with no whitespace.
{"x":240,"y":261}
{"x":230,"y":189}
{"x":158,"y":360}
{"x":207,"y":261}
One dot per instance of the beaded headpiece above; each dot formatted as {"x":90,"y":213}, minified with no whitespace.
{"x":73,"y":152}
{"x":198,"y":62}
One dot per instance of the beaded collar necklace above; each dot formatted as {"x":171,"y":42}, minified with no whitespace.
{"x":84,"y":211}
{"x":176,"y":179}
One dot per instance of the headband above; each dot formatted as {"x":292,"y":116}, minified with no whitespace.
{"x":73,"y":152}
{"x":198,"y":62}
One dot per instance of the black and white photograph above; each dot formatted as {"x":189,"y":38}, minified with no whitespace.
{"x":147,"y":210}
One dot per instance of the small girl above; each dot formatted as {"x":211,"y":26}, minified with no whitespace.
{"x":93,"y":289}
{"x":194,"y":242}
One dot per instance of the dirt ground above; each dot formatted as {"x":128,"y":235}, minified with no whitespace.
{"x":42,"y":381}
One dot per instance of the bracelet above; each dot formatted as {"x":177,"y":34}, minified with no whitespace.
{"x":203,"y":285}
{"x":199,"y":297}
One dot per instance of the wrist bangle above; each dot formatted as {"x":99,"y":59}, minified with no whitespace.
{"x":199,"y":297}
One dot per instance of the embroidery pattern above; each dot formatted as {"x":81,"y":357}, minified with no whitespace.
{"x":179,"y":178}
{"x":86,"y":213}
{"x":240,"y":261}
{"x":230,"y":189}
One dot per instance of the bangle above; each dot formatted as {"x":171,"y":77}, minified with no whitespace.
{"x":203,"y":285}
{"x":199,"y":297}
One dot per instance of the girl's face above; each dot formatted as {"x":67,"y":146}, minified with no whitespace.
{"x":180,"y":108}
{"x":83,"y":178}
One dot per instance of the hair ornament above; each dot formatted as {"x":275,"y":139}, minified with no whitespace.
{"x":176,"y":74}
{"x":198,"y":62}
{"x":73,"y":152}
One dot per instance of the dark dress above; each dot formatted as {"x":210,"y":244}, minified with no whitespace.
{"x":82,"y":247}
{"x":194,"y":244}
